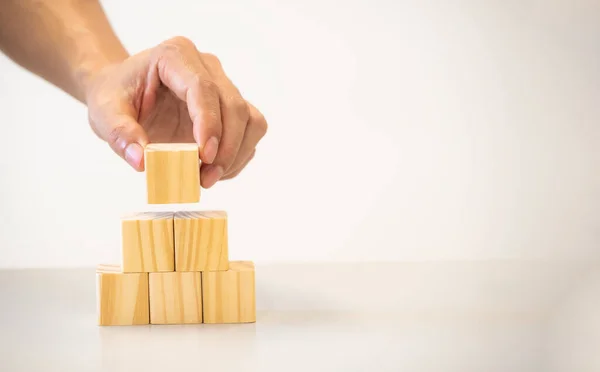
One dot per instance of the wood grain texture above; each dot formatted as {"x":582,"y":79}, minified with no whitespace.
{"x":229,"y":296}
{"x":122,"y":299}
{"x":172,"y":173}
{"x":201,"y":242}
{"x":175,"y":298}
{"x":148,"y":242}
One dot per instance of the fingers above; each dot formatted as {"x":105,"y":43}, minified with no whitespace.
{"x":124,"y":136}
{"x":234,"y":172}
{"x":225,"y":126}
{"x":235,"y":115}
{"x":235,"y":118}
{"x":178,"y":65}
{"x":255,"y":131}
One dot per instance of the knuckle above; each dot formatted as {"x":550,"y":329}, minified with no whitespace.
{"x":168,"y":48}
{"x":206,"y":85}
{"x":239,"y":106}
{"x":115,"y":136}
{"x":175,"y":46}
{"x":179,"y":42}
{"x":259,"y":123}
{"x":211,"y":59}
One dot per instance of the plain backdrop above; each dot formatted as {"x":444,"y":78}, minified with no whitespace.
{"x":398,"y":130}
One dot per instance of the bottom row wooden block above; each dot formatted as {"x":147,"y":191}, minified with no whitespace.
{"x":122,"y":299}
{"x":176,"y":297}
{"x":229,"y":296}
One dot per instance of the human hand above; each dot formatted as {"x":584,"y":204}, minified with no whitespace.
{"x":174,"y":93}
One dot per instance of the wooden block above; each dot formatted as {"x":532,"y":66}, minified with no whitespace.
{"x":147,"y":242}
{"x":229,"y":296}
{"x":172,"y":173}
{"x":122,"y":299}
{"x":175,"y":298}
{"x":201,"y":242}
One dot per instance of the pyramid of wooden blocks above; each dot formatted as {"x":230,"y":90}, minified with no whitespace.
{"x":175,"y":266}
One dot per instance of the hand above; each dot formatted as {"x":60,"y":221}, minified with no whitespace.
{"x":174,"y":93}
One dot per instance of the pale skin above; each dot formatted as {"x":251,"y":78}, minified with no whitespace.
{"x":171,"y":92}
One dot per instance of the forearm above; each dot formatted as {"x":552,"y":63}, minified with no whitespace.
{"x":63,"y":41}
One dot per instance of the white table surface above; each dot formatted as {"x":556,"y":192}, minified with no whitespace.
{"x":455,"y":316}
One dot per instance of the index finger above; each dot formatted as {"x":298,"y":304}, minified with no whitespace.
{"x":177,"y":64}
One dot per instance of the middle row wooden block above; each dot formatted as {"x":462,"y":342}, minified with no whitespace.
{"x":187,"y":241}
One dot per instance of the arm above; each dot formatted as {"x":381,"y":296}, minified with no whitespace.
{"x":63,"y":41}
{"x":137,"y":99}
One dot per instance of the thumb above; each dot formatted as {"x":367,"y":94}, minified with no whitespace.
{"x":125,"y":136}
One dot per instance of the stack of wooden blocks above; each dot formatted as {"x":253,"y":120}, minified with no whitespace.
{"x":175,"y":266}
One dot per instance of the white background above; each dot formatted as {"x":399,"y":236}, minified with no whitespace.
{"x":398,"y":130}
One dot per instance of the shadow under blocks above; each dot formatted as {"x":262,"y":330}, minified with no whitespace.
{"x":175,"y":266}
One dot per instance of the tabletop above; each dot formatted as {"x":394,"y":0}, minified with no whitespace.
{"x":406,"y":317}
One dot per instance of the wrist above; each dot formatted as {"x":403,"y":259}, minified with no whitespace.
{"x":87,"y":71}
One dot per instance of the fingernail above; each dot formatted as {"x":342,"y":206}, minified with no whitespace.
{"x":213,"y":176}
{"x":210,"y":149}
{"x":134,"y":154}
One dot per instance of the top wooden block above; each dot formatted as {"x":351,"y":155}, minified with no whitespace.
{"x":172,"y":173}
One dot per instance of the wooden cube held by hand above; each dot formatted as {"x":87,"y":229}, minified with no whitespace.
{"x":172,"y":173}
